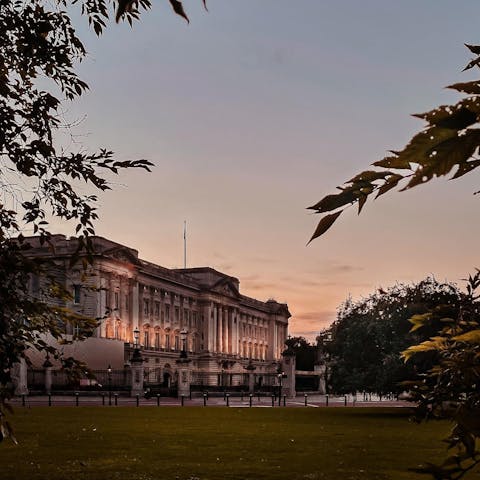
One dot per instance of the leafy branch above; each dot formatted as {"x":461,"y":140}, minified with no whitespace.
{"x":451,"y":387}
{"x":449,"y":142}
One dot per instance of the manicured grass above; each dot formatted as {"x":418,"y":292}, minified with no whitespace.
{"x":218,"y":443}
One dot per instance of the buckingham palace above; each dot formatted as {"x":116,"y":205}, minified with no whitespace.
{"x":161,"y":312}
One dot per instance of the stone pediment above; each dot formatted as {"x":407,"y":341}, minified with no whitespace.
{"x":225,"y":287}
{"x":122,"y":254}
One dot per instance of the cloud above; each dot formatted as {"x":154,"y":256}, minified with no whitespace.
{"x":258,"y":285}
{"x":336,"y":268}
{"x":262,"y":260}
{"x":309,"y":324}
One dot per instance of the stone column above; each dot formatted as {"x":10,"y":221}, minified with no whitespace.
{"x":220,"y":329}
{"x":235,"y":331}
{"x":214,"y":328}
{"x":47,"y":365}
{"x":250,"y":368}
{"x":321,"y":370}
{"x":288,"y":367}
{"x":183,"y":366}
{"x":19,"y":378}
{"x":137,"y":373}
{"x":133,"y":304}
{"x":226,"y":317}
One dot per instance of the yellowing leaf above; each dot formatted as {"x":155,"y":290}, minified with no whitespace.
{"x":418,"y":321}
{"x":469,"y":337}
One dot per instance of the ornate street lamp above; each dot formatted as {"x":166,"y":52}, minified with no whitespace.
{"x":137,"y":355}
{"x":109,"y":371}
{"x":280,"y":376}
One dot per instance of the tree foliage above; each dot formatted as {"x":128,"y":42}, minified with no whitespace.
{"x":448,"y":143}
{"x":451,"y":387}
{"x":39,"y":177}
{"x":305,"y":353}
{"x":365,"y":343}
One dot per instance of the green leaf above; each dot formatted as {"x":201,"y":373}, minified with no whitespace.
{"x":466,"y":167}
{"x":368,"y":176}
{"x":178,"y":9}
{"x":472,"y":88}
{"x":390,"y":183}
{"x":473,"y":48}
{"x":332,"y":202}
{"x":324,"y":224}
{"x":445,"y":117}
{"x":393,"y":162}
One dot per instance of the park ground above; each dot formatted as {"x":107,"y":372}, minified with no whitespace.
{"x":199,"y":443}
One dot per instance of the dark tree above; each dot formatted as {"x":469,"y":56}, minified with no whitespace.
{"x":369,"y":335}
{"x":305,"y":353}
{"x":40,"y":179}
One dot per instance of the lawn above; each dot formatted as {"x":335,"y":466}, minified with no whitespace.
{"x":217,"y":443}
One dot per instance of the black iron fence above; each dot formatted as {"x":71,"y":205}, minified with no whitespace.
{"x":102,"y":380}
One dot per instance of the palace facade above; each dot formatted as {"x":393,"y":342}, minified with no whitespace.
{"x":162,"y":311}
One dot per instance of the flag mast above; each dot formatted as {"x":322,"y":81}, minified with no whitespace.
{"x":184,"y":244}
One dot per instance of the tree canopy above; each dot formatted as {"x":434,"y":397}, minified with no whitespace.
{"x":40,"y":178}
{"x":305,"y":353}
{"x":364,"y":344}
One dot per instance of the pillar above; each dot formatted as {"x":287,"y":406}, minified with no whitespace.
{"x":183,"y":366}
{"x":47,"y":365}
{"x":226,"y":317}
{"x":288,"y":368}
{"x":136,"y":379}
{"x":19,"y":378}
{"x":250,"y":368}
{"x":220,"y":329}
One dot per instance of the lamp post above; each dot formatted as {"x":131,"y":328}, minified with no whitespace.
{"x":109,"y":371}
{"x":136,"y":362}
{"x":280,"y":384}
{"x":183,"y":367}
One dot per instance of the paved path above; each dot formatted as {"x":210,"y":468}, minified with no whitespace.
{"x":312,"y":401}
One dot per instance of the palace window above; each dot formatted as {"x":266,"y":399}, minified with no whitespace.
{"x":157,"y":339}
{"x":76,"y":294}
{"x":167,"y":341}
{"x":146,"y":307}
{"x":167,"y":312}
{"x":116,"y":298}
{"x":146,"y":339}
{"x":157,"y":309}
{"x":177,"y":314}
{"x":177,"y":342}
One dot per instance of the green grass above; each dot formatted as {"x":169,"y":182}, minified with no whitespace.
{"x":218,"y":443}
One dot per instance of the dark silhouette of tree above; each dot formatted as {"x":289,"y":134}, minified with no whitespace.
{"x":39,"y":178}
{"x":449,"y":143}
{"x":366,"y":340}
{"x":305,"y":353}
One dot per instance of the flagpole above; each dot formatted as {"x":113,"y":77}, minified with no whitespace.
{"x":184,"y":244}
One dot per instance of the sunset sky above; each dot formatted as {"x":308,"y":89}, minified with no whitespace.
{"x":257,"y":109}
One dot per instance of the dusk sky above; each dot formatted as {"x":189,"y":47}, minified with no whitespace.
{"x":257,"y":109}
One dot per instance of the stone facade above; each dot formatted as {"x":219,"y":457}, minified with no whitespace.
{"x":225,"y":330}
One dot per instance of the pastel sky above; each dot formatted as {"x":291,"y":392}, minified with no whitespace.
{"x":255,"y":111}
